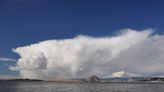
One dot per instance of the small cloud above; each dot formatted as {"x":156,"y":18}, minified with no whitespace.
{"x":6,"y":64}
{"x":7,"y":59}
{"x":12,"y":68}
{"x":124,"y":74}
{"x":8,"y":77}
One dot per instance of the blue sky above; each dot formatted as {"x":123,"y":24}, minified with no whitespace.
{"x":23,"y":22}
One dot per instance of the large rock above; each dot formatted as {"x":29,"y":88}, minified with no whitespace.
{"x":94,"y":78}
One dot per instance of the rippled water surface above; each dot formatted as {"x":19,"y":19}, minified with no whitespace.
{"x":12,"y":86}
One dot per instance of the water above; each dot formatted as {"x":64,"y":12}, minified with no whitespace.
{"x":38,"y":86}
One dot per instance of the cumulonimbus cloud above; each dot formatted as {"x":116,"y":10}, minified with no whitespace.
{"x":133,"y":52}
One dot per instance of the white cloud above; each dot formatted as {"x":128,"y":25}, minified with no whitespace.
{"x":124,"y":74}
{"x":131,"y":51}
{"x":7,"y":59}
{"x":8,"y":77}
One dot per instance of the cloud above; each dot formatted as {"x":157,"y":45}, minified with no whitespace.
{"x":123,"y":74}
{"x":131,"y":51}
{"x":7,"y":59}
{"x":8,"y":77}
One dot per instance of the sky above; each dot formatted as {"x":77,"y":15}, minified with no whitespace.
{"x":24,"y":22}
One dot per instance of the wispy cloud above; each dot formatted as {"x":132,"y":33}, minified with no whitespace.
{"x":8,"y":77}
{"x":7,"y":59}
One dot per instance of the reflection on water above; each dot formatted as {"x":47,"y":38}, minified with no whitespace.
{"x":11,"y":86}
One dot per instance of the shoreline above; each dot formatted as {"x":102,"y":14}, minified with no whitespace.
{"x":81,"y":82}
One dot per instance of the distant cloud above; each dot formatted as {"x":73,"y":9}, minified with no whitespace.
{"x":130,"y":53}
{"x":8,"y":77}
{"x":124,"y":74}
{"x":7,"y":59}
